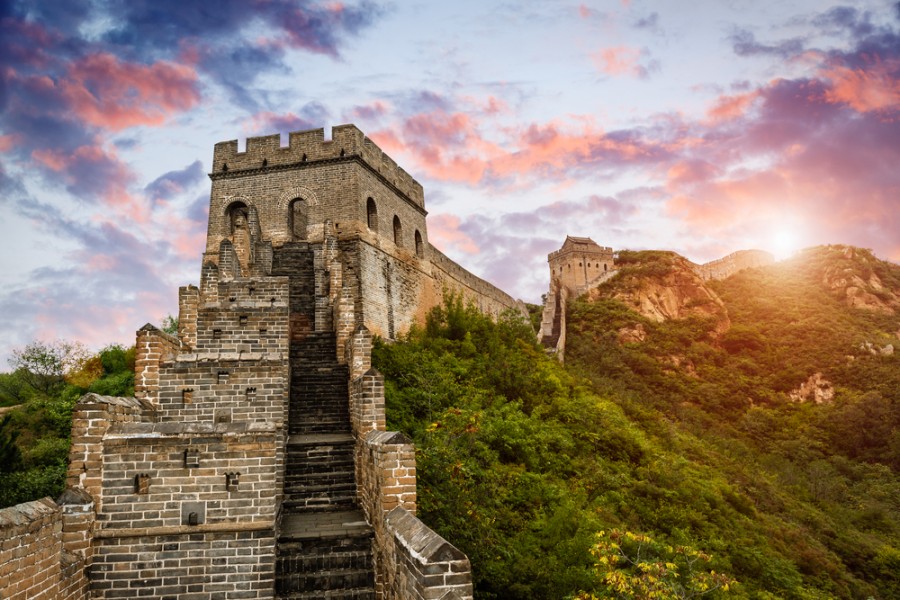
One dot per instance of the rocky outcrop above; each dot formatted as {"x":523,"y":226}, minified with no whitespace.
{"x":669,"y":289}
{"x":815,"y":389}
{"x":857,"y":284}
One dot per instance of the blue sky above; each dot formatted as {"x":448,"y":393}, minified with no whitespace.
{"x":702,"y":127}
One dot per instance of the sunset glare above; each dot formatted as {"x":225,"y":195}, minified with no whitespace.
{"x":644,"y":125}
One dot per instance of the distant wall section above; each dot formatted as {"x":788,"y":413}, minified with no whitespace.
{"x":736,"y":261}
{"x":396,"y":288}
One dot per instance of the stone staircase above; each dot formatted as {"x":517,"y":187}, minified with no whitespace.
{"x":325,"y":546}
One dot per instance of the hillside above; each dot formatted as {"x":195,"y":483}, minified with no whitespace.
{"x":678,"y":424}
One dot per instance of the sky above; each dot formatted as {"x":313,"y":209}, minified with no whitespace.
{"x":702,"y":127}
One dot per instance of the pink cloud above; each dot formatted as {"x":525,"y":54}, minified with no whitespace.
{"x":730,"y":107}
{"x":619,"y":60}
{"x":584,"y":11}
{"x":97,"y":173}
{"x":369,"y":112}
{"x":865,"y":90}
{"x":106,"y":92}
{"x":453,"y":146}
{"x":445,"y":233}
{"x":8,"y":141}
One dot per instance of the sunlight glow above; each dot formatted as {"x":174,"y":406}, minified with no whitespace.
{"x":784,"y":243}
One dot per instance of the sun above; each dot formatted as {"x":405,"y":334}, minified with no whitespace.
{"x":784,"y":243}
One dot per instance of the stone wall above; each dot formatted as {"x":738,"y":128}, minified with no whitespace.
{"x":228,"y":565}
{"x":34,"y":564}
{"x":734,"y":262}
{"x":398,"y":289}
{"x":92,"y":416}
{"x":152,"y":347}
{"x":425,"y":566}
{"x":412,"y":561}
{"x":202,"y":389}
{"x":188,"y":508}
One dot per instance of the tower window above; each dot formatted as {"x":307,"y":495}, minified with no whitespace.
{"x":372,"y":214}
{"x":420,"y":250}
{"x":398,"y":231}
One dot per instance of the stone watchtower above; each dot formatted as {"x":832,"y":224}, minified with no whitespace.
{"x":578,"y":265}
{"x":253,"y":461}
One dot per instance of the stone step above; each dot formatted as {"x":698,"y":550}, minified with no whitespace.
{"x":319,"y":427}
{"x":367,"y":593}
{"x":335,"y":531}
{"x":327,"y":584}
{"x":298,"y":484}
{"x":320,"y":494}
{"x":299,"y":468}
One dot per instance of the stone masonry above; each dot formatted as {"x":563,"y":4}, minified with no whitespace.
{"x":253,"y":461}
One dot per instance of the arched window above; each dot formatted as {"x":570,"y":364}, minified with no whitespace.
{"x":372,"y":214}
{"x":420,"y":251}
{"x":236,"y":217}
{"x":398,"y":231}
{"x":297,"y":219}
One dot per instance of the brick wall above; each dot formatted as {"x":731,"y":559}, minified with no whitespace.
{"x":423,"y":565}
{"x":199,"y":388}
{"x":152,"y":347}
{"x":33,"y":562}
{"x":92,"y":416}
{"x":412,"y":562}
{"x":246,"y":315}
{"x":188,"y":305}
{"x":448,"y":275}
{"x":187,"y":467}
{"x":189,"y":511}
{"x":224,"y":565}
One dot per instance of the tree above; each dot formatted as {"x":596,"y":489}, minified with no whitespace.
{"x":170,"y":325}
{"x":633,"y":566}
{"x":42,"y":366}
{"x":10,"y":456}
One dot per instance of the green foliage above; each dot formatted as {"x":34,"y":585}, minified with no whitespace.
{"x":634,"y":566}
{"x":34,"y":435}
{"x":170,"y":325}
{"x":687,"y":435}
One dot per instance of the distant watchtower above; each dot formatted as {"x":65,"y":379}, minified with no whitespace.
{"x":579,"y":262}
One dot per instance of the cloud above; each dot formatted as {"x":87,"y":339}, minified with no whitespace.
{"x":445,"y":233}
{"x":744,"y":43}
{"x":136,"y":270}
{"x":461,"y":142}
{"x":728,"y":107}
{"x":622,"y":60}
{"x":874,"y":89}
{"x":103,"y":91}
{"x":174,"y":183}
{"x":311,"y":116}
{"x":787,"y":164}
{"x":160,"y":25}
{"x":649,"y":22}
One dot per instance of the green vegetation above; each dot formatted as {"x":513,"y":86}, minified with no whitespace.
{"x":46,"y":381}
{"x":687,"y":437}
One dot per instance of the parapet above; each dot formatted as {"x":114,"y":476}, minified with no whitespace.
{"x":347,"y":142}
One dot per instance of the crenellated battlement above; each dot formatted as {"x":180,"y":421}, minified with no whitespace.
{"x":596,"y":250}
{"x":347,"y":142}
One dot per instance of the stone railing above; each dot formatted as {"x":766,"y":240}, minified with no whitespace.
{"x":412,"y":562}
{"x":34,"y":559}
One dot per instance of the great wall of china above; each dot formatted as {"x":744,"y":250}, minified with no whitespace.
{"x":253,"y":460}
